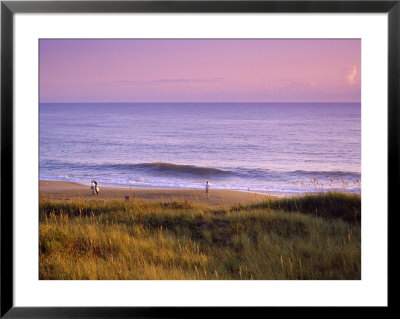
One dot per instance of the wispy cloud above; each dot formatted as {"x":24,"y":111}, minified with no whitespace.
{"x":168,"y":81}
{"x":189,"y":80}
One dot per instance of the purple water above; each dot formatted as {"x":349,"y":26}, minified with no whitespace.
{"x":284,"y":147}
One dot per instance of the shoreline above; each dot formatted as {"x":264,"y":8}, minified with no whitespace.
{"x":63,"y":190}
{"x":274,"y":193}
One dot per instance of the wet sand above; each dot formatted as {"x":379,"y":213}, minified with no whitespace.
{"x":68,"y":190}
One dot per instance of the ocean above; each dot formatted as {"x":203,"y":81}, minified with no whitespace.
{"x":260,"y":147}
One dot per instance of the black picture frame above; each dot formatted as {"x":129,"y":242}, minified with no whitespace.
{"x":9,"y":8}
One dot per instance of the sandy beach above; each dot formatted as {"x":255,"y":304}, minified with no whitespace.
{"x":68,"y":190}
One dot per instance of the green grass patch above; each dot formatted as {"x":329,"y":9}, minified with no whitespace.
{"x":327,"y":205}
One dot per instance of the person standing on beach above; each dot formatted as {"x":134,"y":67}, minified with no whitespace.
{"x":94,"y":187}
{"x":207,"y":190}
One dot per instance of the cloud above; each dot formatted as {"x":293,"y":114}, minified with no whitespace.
{"x":168,"y":81}
{"x":351,"y":75}
{"x":195,"y":80}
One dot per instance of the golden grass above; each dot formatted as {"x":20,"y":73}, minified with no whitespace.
{"x":135,"y":239}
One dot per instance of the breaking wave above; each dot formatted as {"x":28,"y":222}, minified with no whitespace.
{"x":160,"y":168}
{"x":171,"y":170}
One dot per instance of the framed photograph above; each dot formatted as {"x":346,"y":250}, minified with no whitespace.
{"x":163,"y":155}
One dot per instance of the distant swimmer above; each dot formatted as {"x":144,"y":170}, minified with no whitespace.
{"x":207,"y":190}
{"x":94,"y":187}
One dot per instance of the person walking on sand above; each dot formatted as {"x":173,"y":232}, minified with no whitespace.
{"x":93,"y":187}
{"x":207,"y":190}
{"x":96,"y":188}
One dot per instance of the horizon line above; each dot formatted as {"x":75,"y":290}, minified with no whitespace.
{"x":149,"y":102}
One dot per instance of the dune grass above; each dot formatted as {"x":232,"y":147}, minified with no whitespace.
{"x":309,"y":237}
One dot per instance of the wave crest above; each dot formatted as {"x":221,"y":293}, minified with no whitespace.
{"x":161,"y":168}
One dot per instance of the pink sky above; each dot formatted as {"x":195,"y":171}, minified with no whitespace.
{"x":200,"y":70}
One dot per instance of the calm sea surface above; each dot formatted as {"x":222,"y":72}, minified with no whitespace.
{"x":285,"y":147}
